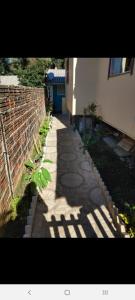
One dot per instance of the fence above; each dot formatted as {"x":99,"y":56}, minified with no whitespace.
{"x":22,"y":110}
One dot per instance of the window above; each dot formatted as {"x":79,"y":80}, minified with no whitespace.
{"x":67,"y":71}
{"x":120,"y":65}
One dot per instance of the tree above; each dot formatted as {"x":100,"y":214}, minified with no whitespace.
{"x":57,"y":62}
{"x":31,"y":71}
{"x":24,"y":62}
{"x":4,"y":66}
{"x":34,"y":74}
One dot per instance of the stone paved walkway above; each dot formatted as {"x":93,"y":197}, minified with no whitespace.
{"x":73,"y":204}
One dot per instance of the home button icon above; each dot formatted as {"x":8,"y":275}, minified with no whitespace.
{"x":67,"y":292}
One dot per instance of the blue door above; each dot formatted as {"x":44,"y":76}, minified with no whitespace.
{"x":57,"y":101}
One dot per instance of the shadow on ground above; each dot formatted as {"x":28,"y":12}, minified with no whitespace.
{"x":16,"y":228}
{"x":68,"y":210}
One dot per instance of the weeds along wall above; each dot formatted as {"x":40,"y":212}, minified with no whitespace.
{"x":22,"y":109}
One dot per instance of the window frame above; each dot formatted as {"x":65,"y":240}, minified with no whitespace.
{"x":122,"y":73}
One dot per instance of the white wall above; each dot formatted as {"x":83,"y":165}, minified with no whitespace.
{"x":85,"y":83}
{"x":9,"y":80}
{"x":115,"y":97}
{"x":69,"y":87}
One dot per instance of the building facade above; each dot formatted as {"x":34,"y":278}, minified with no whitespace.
{"x":55,"y":82}
{"x":108,"y":82}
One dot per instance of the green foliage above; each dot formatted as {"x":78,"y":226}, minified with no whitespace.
{"x":49,"y":108}
{"x":31,"y":71}
{"x":91,"y":110}
{"x":128,"y":218}
{"x":47,"y":161}
{"x":27,"y":177}
{"x":124,"y":218}
{"x":14,"y":205}
{"x":41,"y":178}
{"x":89,"y":140}
{"x":29,"y":164}
{"x":35,"y":174}
{"x":57,"y":62}
{"x":38,"y":157}
{"x":45,"y":128}
{"x":92,"y":137}
{"x":42,"y":140}
{"x":33,"y":75}
{"x":43,"y":131}
{"x":4,"y":66}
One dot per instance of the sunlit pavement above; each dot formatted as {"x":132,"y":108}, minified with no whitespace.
{"x":72,"y":205}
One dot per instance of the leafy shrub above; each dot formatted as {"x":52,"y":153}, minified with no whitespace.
{"x":40,"y":176}
{"x":49,"y":107}
{"x":33,"y":75}
{"x":29,"y":164}
{"x":89,"y":140}
{"x":128,"y":218}
{"x":44,"y":129}
{"x":14,"y":204}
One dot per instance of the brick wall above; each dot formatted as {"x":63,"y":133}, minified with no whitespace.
{"x":25,"y":110}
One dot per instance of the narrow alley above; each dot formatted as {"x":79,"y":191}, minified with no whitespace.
{"x":72,"y":205}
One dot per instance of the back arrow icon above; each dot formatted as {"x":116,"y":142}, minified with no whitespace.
{"x":29,"y":292}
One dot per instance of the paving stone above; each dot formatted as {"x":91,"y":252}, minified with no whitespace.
{"x":71,"y":180}
{"x":51,"y":156}
{"x":51,"y":167}
{"x":85,"y":165}
{"x":69,"y":156}
{"x":51,"y":150}
{"x":73,"y":204}
{"x":51,"y":143}
{"x":97,"y":196}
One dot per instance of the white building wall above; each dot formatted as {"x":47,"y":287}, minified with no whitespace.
{"x":115,"y":96}
{"x":9,"y":80}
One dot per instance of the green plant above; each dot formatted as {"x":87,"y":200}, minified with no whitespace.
{"x":47,"y":161}
{"x":131,"y":213}
{"x":49,"y":108}
{"x":38,"y":157}
{"x":33,"y":74}
{"x":41,"y":178}
{"x":43,"y":130}
{"x":39,"y":175}
{"x":31,"y":71}
{"x":89,"y":140}
{"x":128,"y":218}
{"x":91,"y":111}
{"x":124,"y":218}
{"x":29,"y":164}
{"x":14,"y":204}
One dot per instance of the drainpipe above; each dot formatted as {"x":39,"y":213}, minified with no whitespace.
{"x":6,"y":156}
